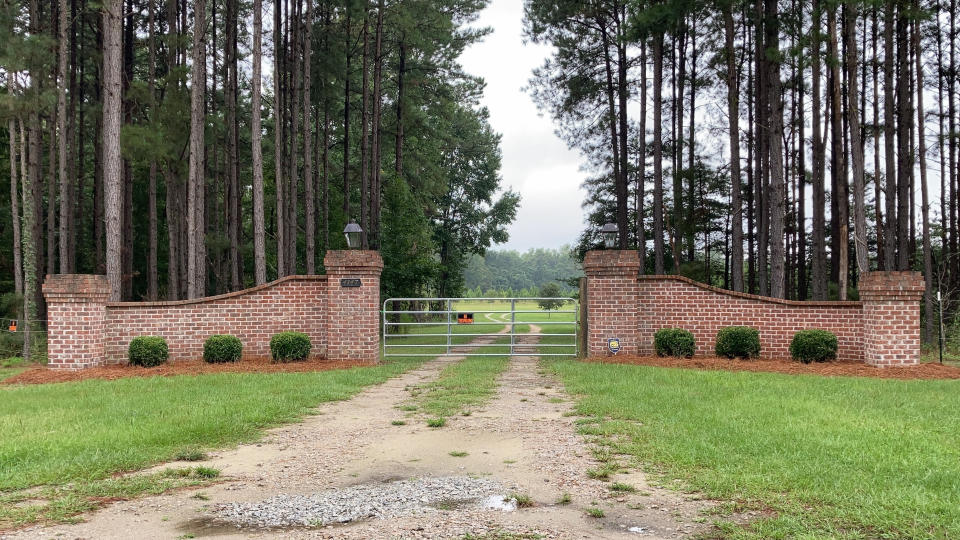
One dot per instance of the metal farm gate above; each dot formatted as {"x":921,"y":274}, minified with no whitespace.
{"x":480,"y":327}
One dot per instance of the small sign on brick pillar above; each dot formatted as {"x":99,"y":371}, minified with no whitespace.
{"x":891,"y":317}
{"x":76,"y":311}
{"x":612,"y":301}
{"x":353,"y":303}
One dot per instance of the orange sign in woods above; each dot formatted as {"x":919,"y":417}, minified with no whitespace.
{"x":464,"y":318}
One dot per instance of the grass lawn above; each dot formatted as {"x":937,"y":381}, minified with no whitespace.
{"x":832,"y":457}
{"x":58,"y":433}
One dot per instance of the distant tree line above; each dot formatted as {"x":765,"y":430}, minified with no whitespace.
{"x":507,"y":273}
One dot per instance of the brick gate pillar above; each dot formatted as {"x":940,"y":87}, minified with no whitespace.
{"x":76,"y":312}
{"x":613,"y":295}
{"x":891,"y":317}
{"x":353,"y":304}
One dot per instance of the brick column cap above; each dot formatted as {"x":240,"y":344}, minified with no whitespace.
{"x":903,"y":285}
{"x":612,"y":262}
{"x":79,"y":287}
{"x":353,"y":260}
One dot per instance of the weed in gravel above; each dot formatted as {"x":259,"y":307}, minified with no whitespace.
{"x":190,"y":454}
{"x":522,"y":499}
{"x":438,"y":422}
{"x":595,"y":512}
{"x":555,"y":400}
{"x":603,"y":472}
{"x":459,"y":453}
{"x":564,"y":499}
{"x":206,"y":472}
{"x":509,"y":461}
{"x":620,"y":486}
{"x":407,"y":408}
{"x":200,"y":496}
{"x":398,"y":423}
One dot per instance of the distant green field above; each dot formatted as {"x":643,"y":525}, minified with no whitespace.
{"x":426,"y":333}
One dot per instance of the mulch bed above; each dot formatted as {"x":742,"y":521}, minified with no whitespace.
{"x":43,"y":375}
{"x":828,"y":369}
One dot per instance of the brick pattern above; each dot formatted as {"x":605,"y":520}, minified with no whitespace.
{"x":76,"y":317}
{"x":883,"y":329}
{"x":292,"y":303}
{"x":354,"y":332}
{"x":613,"y":295}
{"x":676,"y":301}
{"x":891,"y":317}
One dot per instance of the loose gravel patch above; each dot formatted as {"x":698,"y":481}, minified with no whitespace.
{"x":356,"y":503}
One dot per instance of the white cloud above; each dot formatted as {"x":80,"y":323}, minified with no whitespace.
{"x":536,"y":163}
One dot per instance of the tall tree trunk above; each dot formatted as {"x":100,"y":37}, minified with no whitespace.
{"x":278,"y":60}
{"x":890,"y":167}
{"x":308,"y":179}
{"x":364,"y":133}
{"x":818,"y":273}
{"x":620,"y":16}
{"x":129,"y":22}
{"x":256,"y":147}
{"x":877,"y":171}
{"x":112,"y":167}
{"x":376,"y":180}
{"x":196,"y":249}
{"x":733,"y":113}
{"x":924,"y":190}
{"x":233,"y":173}
{"x":66,"y":186}
{"x":153,"y":278}
{"x":401,"y":103}
{"x":14,"y":198}
{"x":613,"y":122}
{"x":856,"y":144}
{"x":838,"y":170}
{"x":346,"y":123}
{"x":642,"y":159}
{"x":51,"y":221}
{"x":775,"y":122}
{"x":292,"y":151}
{"x":905,"y":150}
{"x":658,"y":153}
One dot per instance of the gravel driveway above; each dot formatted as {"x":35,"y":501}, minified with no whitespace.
{"x":347,"y":472}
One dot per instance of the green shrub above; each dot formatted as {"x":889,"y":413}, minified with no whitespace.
{"x":290,"y":347}
{"x":814,"y":346}
{"x":222,"y":348}
{"x":148,"y":351}
{"x":738,"y":342}
{"x":674,"y":342}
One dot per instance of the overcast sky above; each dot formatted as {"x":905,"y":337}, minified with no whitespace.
{"x":536,"y":163}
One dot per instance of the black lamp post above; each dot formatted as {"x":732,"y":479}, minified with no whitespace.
{"x":609,"y":232}
{"x":352,"y":233}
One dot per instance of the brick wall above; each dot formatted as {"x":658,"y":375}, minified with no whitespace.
{"x":891,"y":317}
{"x":612,"y":299}
{"x":355,"y":334}
{"x":292,"y":303}
{"x":882,"y":329}
{"x":676,"y":301}
{"x":341,"y":319}
{"x":76,"y":315}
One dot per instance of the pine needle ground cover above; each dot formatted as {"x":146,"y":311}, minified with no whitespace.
{"x":838,"y":457}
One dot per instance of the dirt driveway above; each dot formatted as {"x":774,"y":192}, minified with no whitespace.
{"x":521,"y":442}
